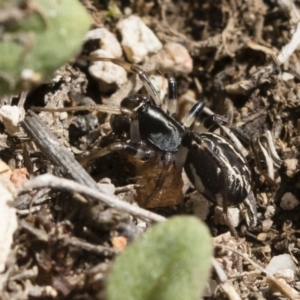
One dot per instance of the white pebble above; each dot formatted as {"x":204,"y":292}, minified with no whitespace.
{"x":285,"y":76}
{"x":291,"y":166}
{"x":107,"y":72}
{"x":281,"y":262}
{"x":137,"y":39}
{"x":63,"y":115}
{"x":266,"y":225}
{"x":233,"y":214}
{"x":262,"y":236}
{"x":270,"y":212}
{"x":287,"y":274}
{"x":107,"y":187}
{"x":108,"y":41}
{"x":175,"y":57}
{"x":11,"y":117}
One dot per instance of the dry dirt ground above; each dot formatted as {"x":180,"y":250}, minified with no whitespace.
{"x":63,"y":249}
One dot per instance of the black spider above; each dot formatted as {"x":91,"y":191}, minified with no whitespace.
{"x":213,"y":165}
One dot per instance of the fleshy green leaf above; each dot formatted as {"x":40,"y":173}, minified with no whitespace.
{"x":39,"y":42}
{"x":172,"y":260}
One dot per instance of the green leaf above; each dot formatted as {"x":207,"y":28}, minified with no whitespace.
{"x":172,"y":260}
{"x":40,"y":42}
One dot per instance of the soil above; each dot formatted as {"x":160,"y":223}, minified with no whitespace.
{"x":233,"y":45}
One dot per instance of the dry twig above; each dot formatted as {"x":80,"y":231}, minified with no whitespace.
{"x":51,"y":181}
{"x":55,"y":151}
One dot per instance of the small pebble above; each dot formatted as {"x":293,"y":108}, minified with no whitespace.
{"x":56,"y":78}
{"x":270,"y":212}
{"x":288,"y":201}
{"x":108,"y":41}
{"x":109,"y":75}
{"x":233,"y":214}
{"x":266,"y":225}
{"x":281,"y":262}
{"x":287,"y":274}
{"x":262,"y":237}
{"x":11,"y":117}
{"x":291,"y":165}
{"x":200,"y":206}
{"x":175,"y":57}
{"x":63,"y":115}
{"x":137,"y":39}
{"x":107,"y":187}
{"x":285,"y":76}
{"x":119,"y":242}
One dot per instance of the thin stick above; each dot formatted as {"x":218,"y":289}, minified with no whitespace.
{"x":50,"y":181}
{"x":66,"y":240}
{"x":55,"y":151}
{"x":223,"y":281}
{"x":98,"y":249}
{"x":22,"y":99}
{"x":99,"y":108}
{"x":289,"y":48}
{"x":129,"y":68}
{"x":245,"y":256}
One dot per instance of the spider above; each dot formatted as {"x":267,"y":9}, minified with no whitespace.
{"x":213,"y":165}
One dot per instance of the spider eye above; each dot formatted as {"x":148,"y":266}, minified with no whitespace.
{"x":132,"y":102}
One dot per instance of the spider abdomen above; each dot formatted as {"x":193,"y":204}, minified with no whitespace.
{"x":207,"y":177}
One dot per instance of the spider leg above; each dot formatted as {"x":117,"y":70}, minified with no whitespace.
{"x":134,"y":132}
{"x":187,"y":121}
{"x":194,"y":112}
{"x":215,"y":120}
{"x":248,"y":209}
{"x":134,"y":69}
{"x":136,"y":150}
{"x":172,"y":95}
{"x":234,"y":133}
